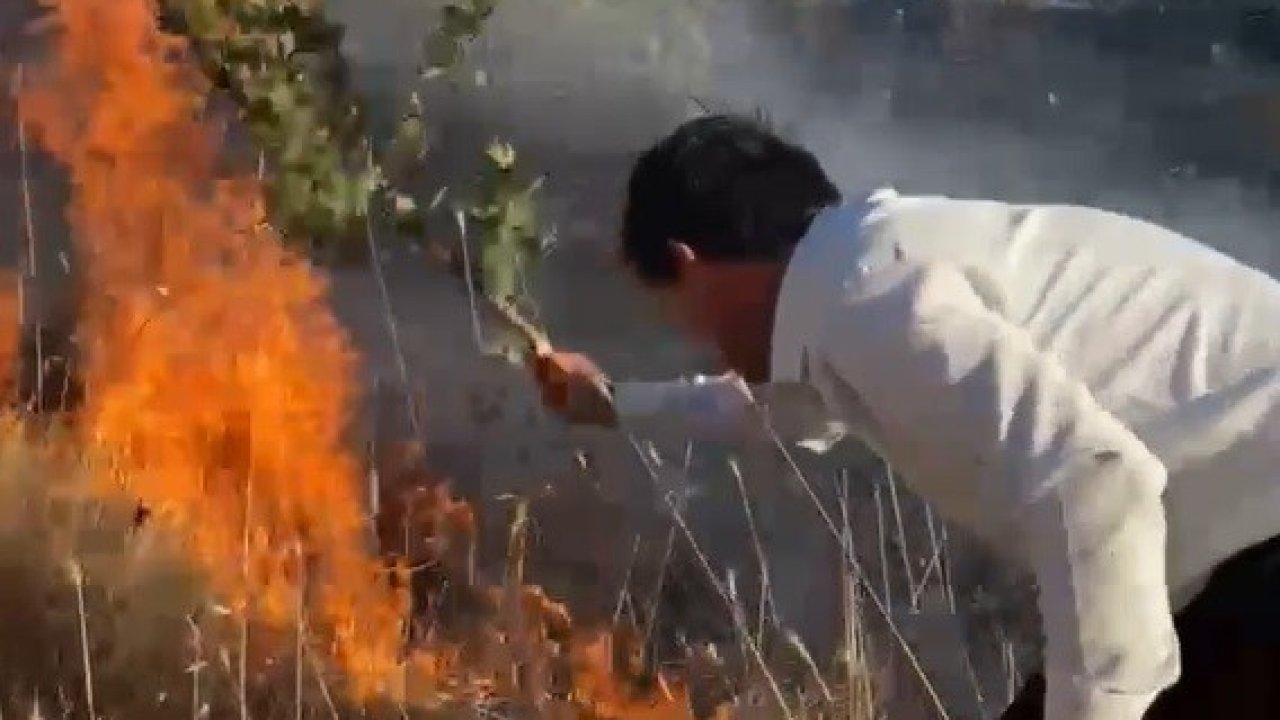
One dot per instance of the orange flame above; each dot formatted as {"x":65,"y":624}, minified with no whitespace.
{"x":218,"y":381}
{"x":10,"y":325}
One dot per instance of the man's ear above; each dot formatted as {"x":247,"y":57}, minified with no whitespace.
{"x":684,"y":257}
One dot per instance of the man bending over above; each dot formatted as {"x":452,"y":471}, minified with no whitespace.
{"x":1095,"y":396}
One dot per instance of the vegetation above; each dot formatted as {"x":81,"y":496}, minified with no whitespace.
{"x":282,"y":65}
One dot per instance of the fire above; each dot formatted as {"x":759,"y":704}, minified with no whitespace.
{"x":10,"y":324}
{"x":219,"y":384}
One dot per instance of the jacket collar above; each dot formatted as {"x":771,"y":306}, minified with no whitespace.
{"x":818,"y":266}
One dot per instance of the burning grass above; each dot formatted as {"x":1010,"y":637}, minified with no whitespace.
{"x":107,"y":614}
{"x":219,"y":384}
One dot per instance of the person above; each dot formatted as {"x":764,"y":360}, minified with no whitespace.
{"x":1095,"y":396}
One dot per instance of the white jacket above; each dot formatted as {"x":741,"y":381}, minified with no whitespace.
{"x":1094,"y":395}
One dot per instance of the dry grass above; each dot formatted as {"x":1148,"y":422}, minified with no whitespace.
{"x":104,"y":615}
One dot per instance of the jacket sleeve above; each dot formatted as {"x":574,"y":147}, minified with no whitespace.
{"x":701,"y":408}
{"x":724,"y":408}
{"x":952,"y":378}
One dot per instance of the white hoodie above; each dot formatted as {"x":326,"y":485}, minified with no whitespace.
{"x":1094,"y":395}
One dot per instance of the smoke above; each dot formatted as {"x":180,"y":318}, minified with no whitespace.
{"x":1032,"y":117}
{"x":1029,"y":112}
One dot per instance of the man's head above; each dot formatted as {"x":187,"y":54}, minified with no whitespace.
{"x":713,"y":212}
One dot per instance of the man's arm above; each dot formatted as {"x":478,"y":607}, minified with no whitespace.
{"x":719,"y":408}
{"x":725,"y":408}
{"x":700,"y":407}
{"x":934,"y":364}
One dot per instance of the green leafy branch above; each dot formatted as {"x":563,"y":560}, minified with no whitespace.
{"x":281,"y":63}
{"x":508,"y":240}
{"x":509,"y":243}
{"x":461,"y":23}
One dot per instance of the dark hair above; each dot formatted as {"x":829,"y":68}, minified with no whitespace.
{"x":728,"y":187}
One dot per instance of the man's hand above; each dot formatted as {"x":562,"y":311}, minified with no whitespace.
{"x":575,"y":388}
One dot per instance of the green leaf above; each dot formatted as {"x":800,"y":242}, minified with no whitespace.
{"x":407,"y":216}
{"x":460,"y":22}
{"x":319,"y":35}
{"x":410,"y":141}
{"x":502,"y":155}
